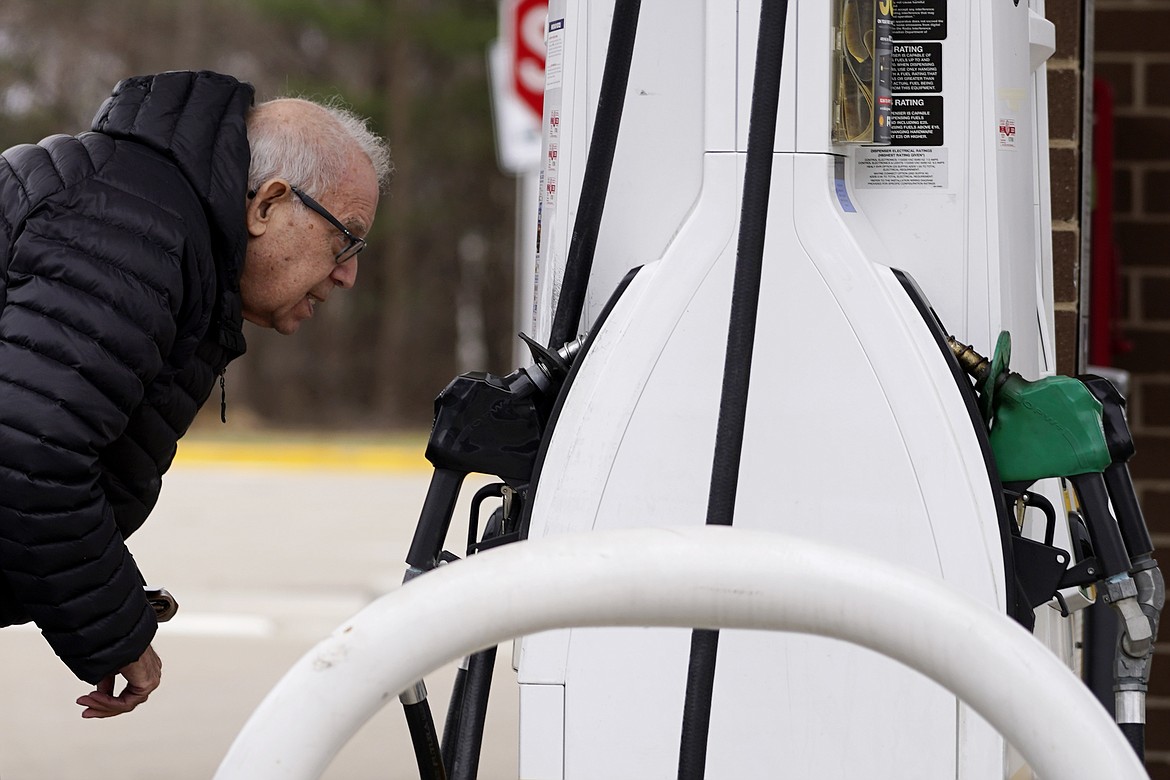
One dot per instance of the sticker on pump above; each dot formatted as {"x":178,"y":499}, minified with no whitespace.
{"x":1007,"y":134}
{"x":901,"y":168}
{"x":554,"y":58}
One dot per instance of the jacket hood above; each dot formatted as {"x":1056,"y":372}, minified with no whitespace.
{"x":196,"y":119}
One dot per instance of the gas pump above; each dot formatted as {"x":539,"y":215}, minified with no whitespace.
{"x":907,"y":200}
{"x":778,"y":348}
{"x":825,"y":204}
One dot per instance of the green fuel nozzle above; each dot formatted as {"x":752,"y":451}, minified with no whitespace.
{"x":1050,"y":427}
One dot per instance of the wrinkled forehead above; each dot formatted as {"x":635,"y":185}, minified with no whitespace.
{"x":358,"y":195}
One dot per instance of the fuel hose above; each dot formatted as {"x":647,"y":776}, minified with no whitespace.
{"x":451,"y":725}
{"x":737,"y":365}
{"x":615,"y":77}
{"x":427,"y":751}
{"x":466,"y":745}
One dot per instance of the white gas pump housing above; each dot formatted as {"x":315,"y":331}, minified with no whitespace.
{"x":853,"y":413}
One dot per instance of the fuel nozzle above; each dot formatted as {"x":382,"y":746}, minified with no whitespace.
{"x":1050,"y":427}
{"x":483,"y":424}
{"x":1075,"y":429}
{"x":486,"y":424}
{"x":1132,"y":659}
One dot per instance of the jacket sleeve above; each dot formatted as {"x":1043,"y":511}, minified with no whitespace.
{"x":87,"y":321}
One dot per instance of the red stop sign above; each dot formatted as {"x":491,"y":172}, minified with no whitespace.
{"x":528,"y":22}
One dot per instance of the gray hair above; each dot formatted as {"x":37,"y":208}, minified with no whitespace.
{"x":312,"y":151}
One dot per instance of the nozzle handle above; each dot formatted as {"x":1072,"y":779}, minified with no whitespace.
{"x":435,"y":519}
{"x":1108,"y":546}
{"x":1132,"y":522}
{"x":1117,"y":478}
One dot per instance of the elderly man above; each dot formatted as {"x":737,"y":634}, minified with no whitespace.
{"x":131,"y":255}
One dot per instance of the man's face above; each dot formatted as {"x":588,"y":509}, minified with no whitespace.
{"x":290,"y":269}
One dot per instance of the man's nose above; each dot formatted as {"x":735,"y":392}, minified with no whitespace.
{"x":345,"y":274}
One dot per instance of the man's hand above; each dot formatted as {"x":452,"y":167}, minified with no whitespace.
{"x":142,"y":677}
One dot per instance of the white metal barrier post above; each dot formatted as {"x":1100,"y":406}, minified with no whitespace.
{"x":712,"y":577}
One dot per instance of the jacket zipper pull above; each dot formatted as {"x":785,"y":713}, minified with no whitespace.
{"x":222,"y":397}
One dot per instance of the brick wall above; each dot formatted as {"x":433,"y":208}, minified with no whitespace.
{"x":1065,"y":73}
{"x":1131,"y":54}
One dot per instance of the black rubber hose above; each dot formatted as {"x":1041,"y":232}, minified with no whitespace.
{"x":469,"y":745}
{"x":1136,"y":734}
{"x":741,"y":334}
{"x":595,"y":185}
{"x":692,"y":752}
{"x":451,"y":724}
{"x":426,"y":744}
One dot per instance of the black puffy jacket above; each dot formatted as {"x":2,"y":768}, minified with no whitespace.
{"x":119,"y":306}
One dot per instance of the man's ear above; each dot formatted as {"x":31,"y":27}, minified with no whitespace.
{"x":261,"y":204}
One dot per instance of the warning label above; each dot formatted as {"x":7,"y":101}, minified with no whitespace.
{"x":554,"y":58}
{"x":920,"y":20}
{"x":881,"y":168}
{"x":1007,"y":134}
{"x":916,"y":67}
{"x":917,"y":121}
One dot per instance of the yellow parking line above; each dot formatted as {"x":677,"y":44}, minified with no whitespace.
{"x":341,"y":456}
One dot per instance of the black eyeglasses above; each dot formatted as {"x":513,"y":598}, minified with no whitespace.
{"x":355,"y":244}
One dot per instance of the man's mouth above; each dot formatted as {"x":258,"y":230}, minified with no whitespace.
{"x":313,"y":301}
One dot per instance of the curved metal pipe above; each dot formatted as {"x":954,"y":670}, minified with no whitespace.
{"x":713,"y":577}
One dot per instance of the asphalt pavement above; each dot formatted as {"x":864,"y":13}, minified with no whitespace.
{"x":268,"y":547}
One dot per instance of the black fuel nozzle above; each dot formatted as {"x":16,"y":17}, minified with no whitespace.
{"x":1108,"y":543}
{"x":485,"y":424}
{"x":1132,"y":659}
{"x":1117,"y":476}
